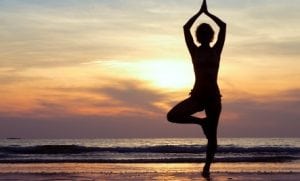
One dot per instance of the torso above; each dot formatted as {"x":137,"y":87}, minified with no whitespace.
{"x":206,"y":67}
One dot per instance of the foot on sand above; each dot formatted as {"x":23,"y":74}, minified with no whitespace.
{"x":206,"y":172}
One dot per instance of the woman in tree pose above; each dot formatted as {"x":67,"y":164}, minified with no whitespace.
{"x":205,"y":95}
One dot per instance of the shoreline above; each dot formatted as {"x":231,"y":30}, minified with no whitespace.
{"x":152,"y":176}
{"x":149,"y":171}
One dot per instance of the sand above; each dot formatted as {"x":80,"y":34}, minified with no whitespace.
{"x":135,"y":172}
{"x":153,"y":176}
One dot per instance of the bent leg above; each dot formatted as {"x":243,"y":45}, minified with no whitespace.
{"x":182,"y":112}
{"x":213,"y":111}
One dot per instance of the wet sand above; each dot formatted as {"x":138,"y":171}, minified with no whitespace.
{"x":174,"y":172}
{"x":152,"y":176}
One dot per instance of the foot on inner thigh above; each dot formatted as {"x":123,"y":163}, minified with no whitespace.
{"x":204,"y":124}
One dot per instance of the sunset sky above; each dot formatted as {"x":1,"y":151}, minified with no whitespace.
{"x":113,"y":68}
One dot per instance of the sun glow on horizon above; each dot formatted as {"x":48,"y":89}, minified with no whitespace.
{"x":171,"y":74}
{"x":117,"y":67}
{"x":166,"y":74}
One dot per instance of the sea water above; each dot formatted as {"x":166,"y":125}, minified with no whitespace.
{"x":278,"y":154}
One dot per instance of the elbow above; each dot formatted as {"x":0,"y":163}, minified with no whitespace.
{"x":223,"y":25}
{"x":185,"y":30}
{"x":186,"y":27}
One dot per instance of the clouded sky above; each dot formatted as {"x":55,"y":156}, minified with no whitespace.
{"x":113,"y":68}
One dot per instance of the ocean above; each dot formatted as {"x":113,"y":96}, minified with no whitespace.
{"x":191,"y":150}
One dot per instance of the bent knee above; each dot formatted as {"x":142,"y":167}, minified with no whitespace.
{"x":171,"y":117}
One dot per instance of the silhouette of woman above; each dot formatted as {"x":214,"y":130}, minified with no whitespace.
{"x":205,"y":95}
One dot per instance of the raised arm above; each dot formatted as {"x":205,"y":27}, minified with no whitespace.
{"x":187,"y":31}
{"x":222,"y":33}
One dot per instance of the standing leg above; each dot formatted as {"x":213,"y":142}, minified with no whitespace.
{"x":182,"y":112}
{"x":212,"y":110}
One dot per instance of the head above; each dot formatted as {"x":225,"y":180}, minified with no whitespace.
{"x":204,"y":34}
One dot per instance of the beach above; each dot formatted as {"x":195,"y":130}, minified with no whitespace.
{"x":148,"y":159}
{"x":149,"y":90}
{"x":180,"y":172}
